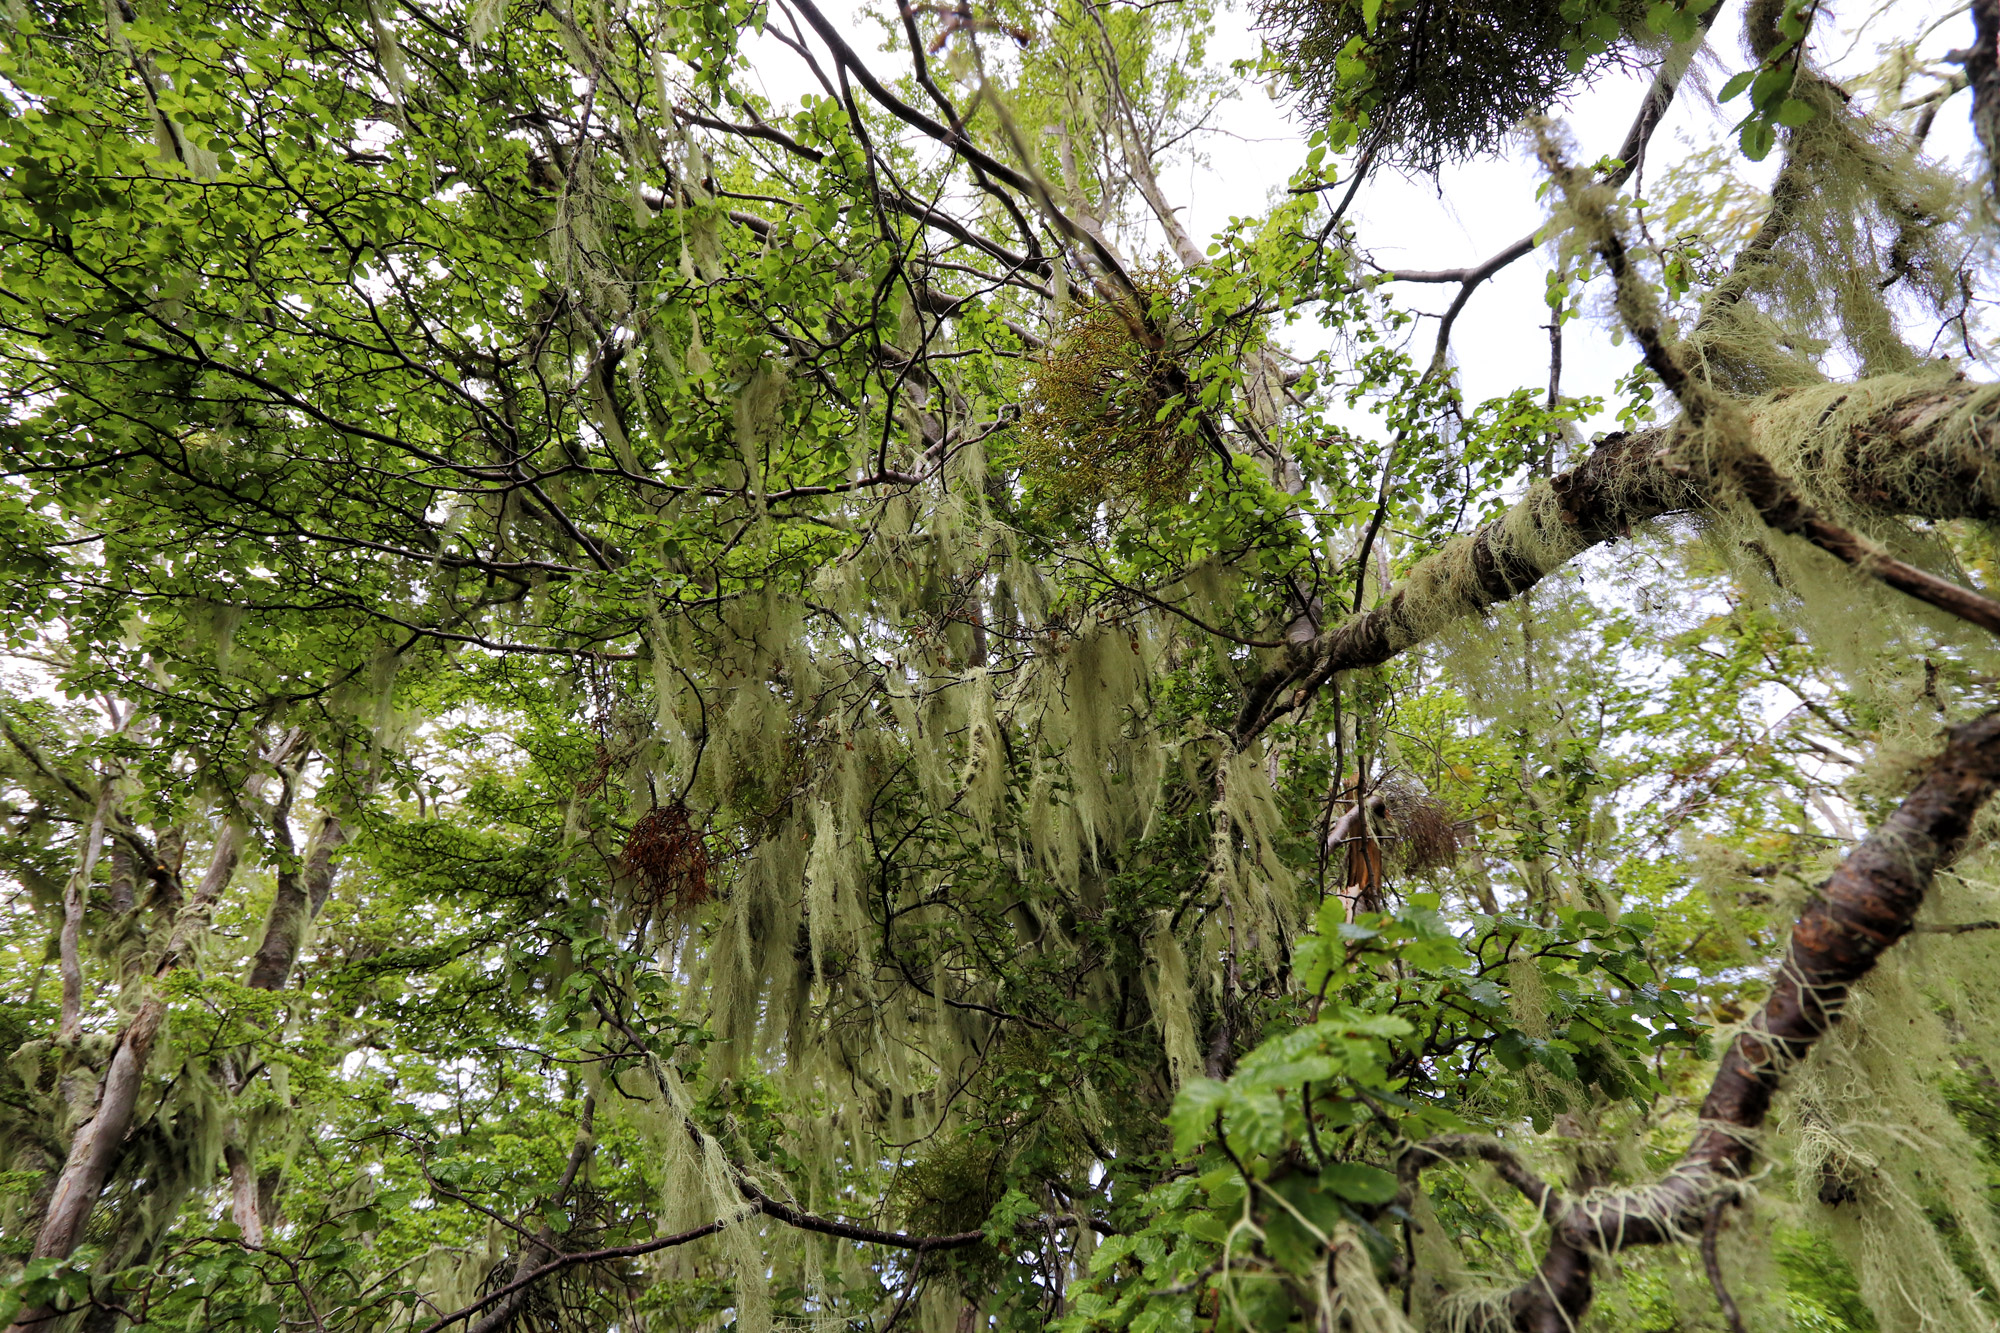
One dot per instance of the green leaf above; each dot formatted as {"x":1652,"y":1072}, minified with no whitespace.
{"x":1770,"y":85}
{"x":1193,"y":1116}
{"x":1757,"y":138}
{"x":1737,"y":83}
{"x":1361,"y":1183}
{"x":1512,"y":1049}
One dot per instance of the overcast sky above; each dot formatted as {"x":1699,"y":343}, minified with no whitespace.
{"x":1473,"y":209}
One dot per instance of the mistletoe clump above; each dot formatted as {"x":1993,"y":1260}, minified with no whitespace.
{"x":1440,"y":80}
{"x":1109,"y":415}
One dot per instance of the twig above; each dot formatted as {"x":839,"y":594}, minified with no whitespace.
{"x":1713,"y":1264}
{"x":570,"y":1261}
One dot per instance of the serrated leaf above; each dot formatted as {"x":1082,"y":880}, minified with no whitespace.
{"x":1757,"y":139}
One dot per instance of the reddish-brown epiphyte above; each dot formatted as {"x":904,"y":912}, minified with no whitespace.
{"x":669,"y":861}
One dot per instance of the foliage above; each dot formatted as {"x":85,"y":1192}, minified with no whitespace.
{"x":626,"y":704}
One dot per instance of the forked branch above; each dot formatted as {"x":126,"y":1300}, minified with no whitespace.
{"x":1713,"y":443}
{"x":1867,"y":905}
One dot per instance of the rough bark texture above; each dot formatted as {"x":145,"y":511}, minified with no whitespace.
{"x":302,"y":891}
{"x":100,"y":1140}
{"x":1867,"y":905}
{"x":1901,"y":460}
{"x":243,"y":1208}
{"x":1982,"y":75}
{"x":76,"y":893}
{"x":123,"y":887}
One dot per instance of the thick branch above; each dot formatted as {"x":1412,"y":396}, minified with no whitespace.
{"x":1982,"y":72}
{"x":302,"y":891}
{"x":75,"y":893}
{"x":561,"y":1262}
{"x":1867,"y":905}
{"x":1930,"y":452}
{"x":1729,"y":458}
{"x":586,"y":1144}
{"x":759,"y":1202}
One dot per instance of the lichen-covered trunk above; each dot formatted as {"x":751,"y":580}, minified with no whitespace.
{"x":99,"y":1142}
{"x":94,"y":1151}
{"x":302,"y":891}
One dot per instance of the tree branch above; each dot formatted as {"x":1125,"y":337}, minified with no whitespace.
{"x":1867,"y":905}
{"x":1931,"y":452}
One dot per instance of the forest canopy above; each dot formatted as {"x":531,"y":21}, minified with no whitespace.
{"x":633,"y":703}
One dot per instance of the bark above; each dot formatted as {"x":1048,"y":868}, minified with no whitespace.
{"x":1730,"y":461}
{"x":75,"y":894}
{"x":1867,"y":905}
{"x":302,"y":892}
{"x":1902,"y":460}
{"x":99,"y":1141}
{"x":94,"y":1150}
{"x":243,"y":1209}
{"x":1982,"y":73}
{"x":124,"y":882}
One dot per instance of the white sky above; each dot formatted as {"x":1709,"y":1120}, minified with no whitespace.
{"x":1474,"y":209}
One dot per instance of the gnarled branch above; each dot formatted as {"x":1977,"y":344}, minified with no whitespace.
{"x":1867,"y":905}
{"x":1930,"y":451}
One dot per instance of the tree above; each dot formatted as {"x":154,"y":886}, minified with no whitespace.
{"x":634,"y":707}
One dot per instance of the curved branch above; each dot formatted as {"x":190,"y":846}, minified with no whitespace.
{"x":759,"y":1203}
{"x":1867,"y":905}
{"x":1510,"y":1168}
{"x":827,"y":1226}
{"x":561,"y":1262}
{"x":1930,"y":452}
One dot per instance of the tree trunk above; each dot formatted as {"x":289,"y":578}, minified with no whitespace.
{"x":99,"y":1141}
{"x":75,"y":894}
{"x":243,"y":1203}
{"x":302,"y":892}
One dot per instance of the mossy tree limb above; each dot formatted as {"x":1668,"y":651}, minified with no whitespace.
{"x":99,"y":1143}
{"x":1910,"y":446}
{"x":1731,"y":462}
{"x":1863,"y":909}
